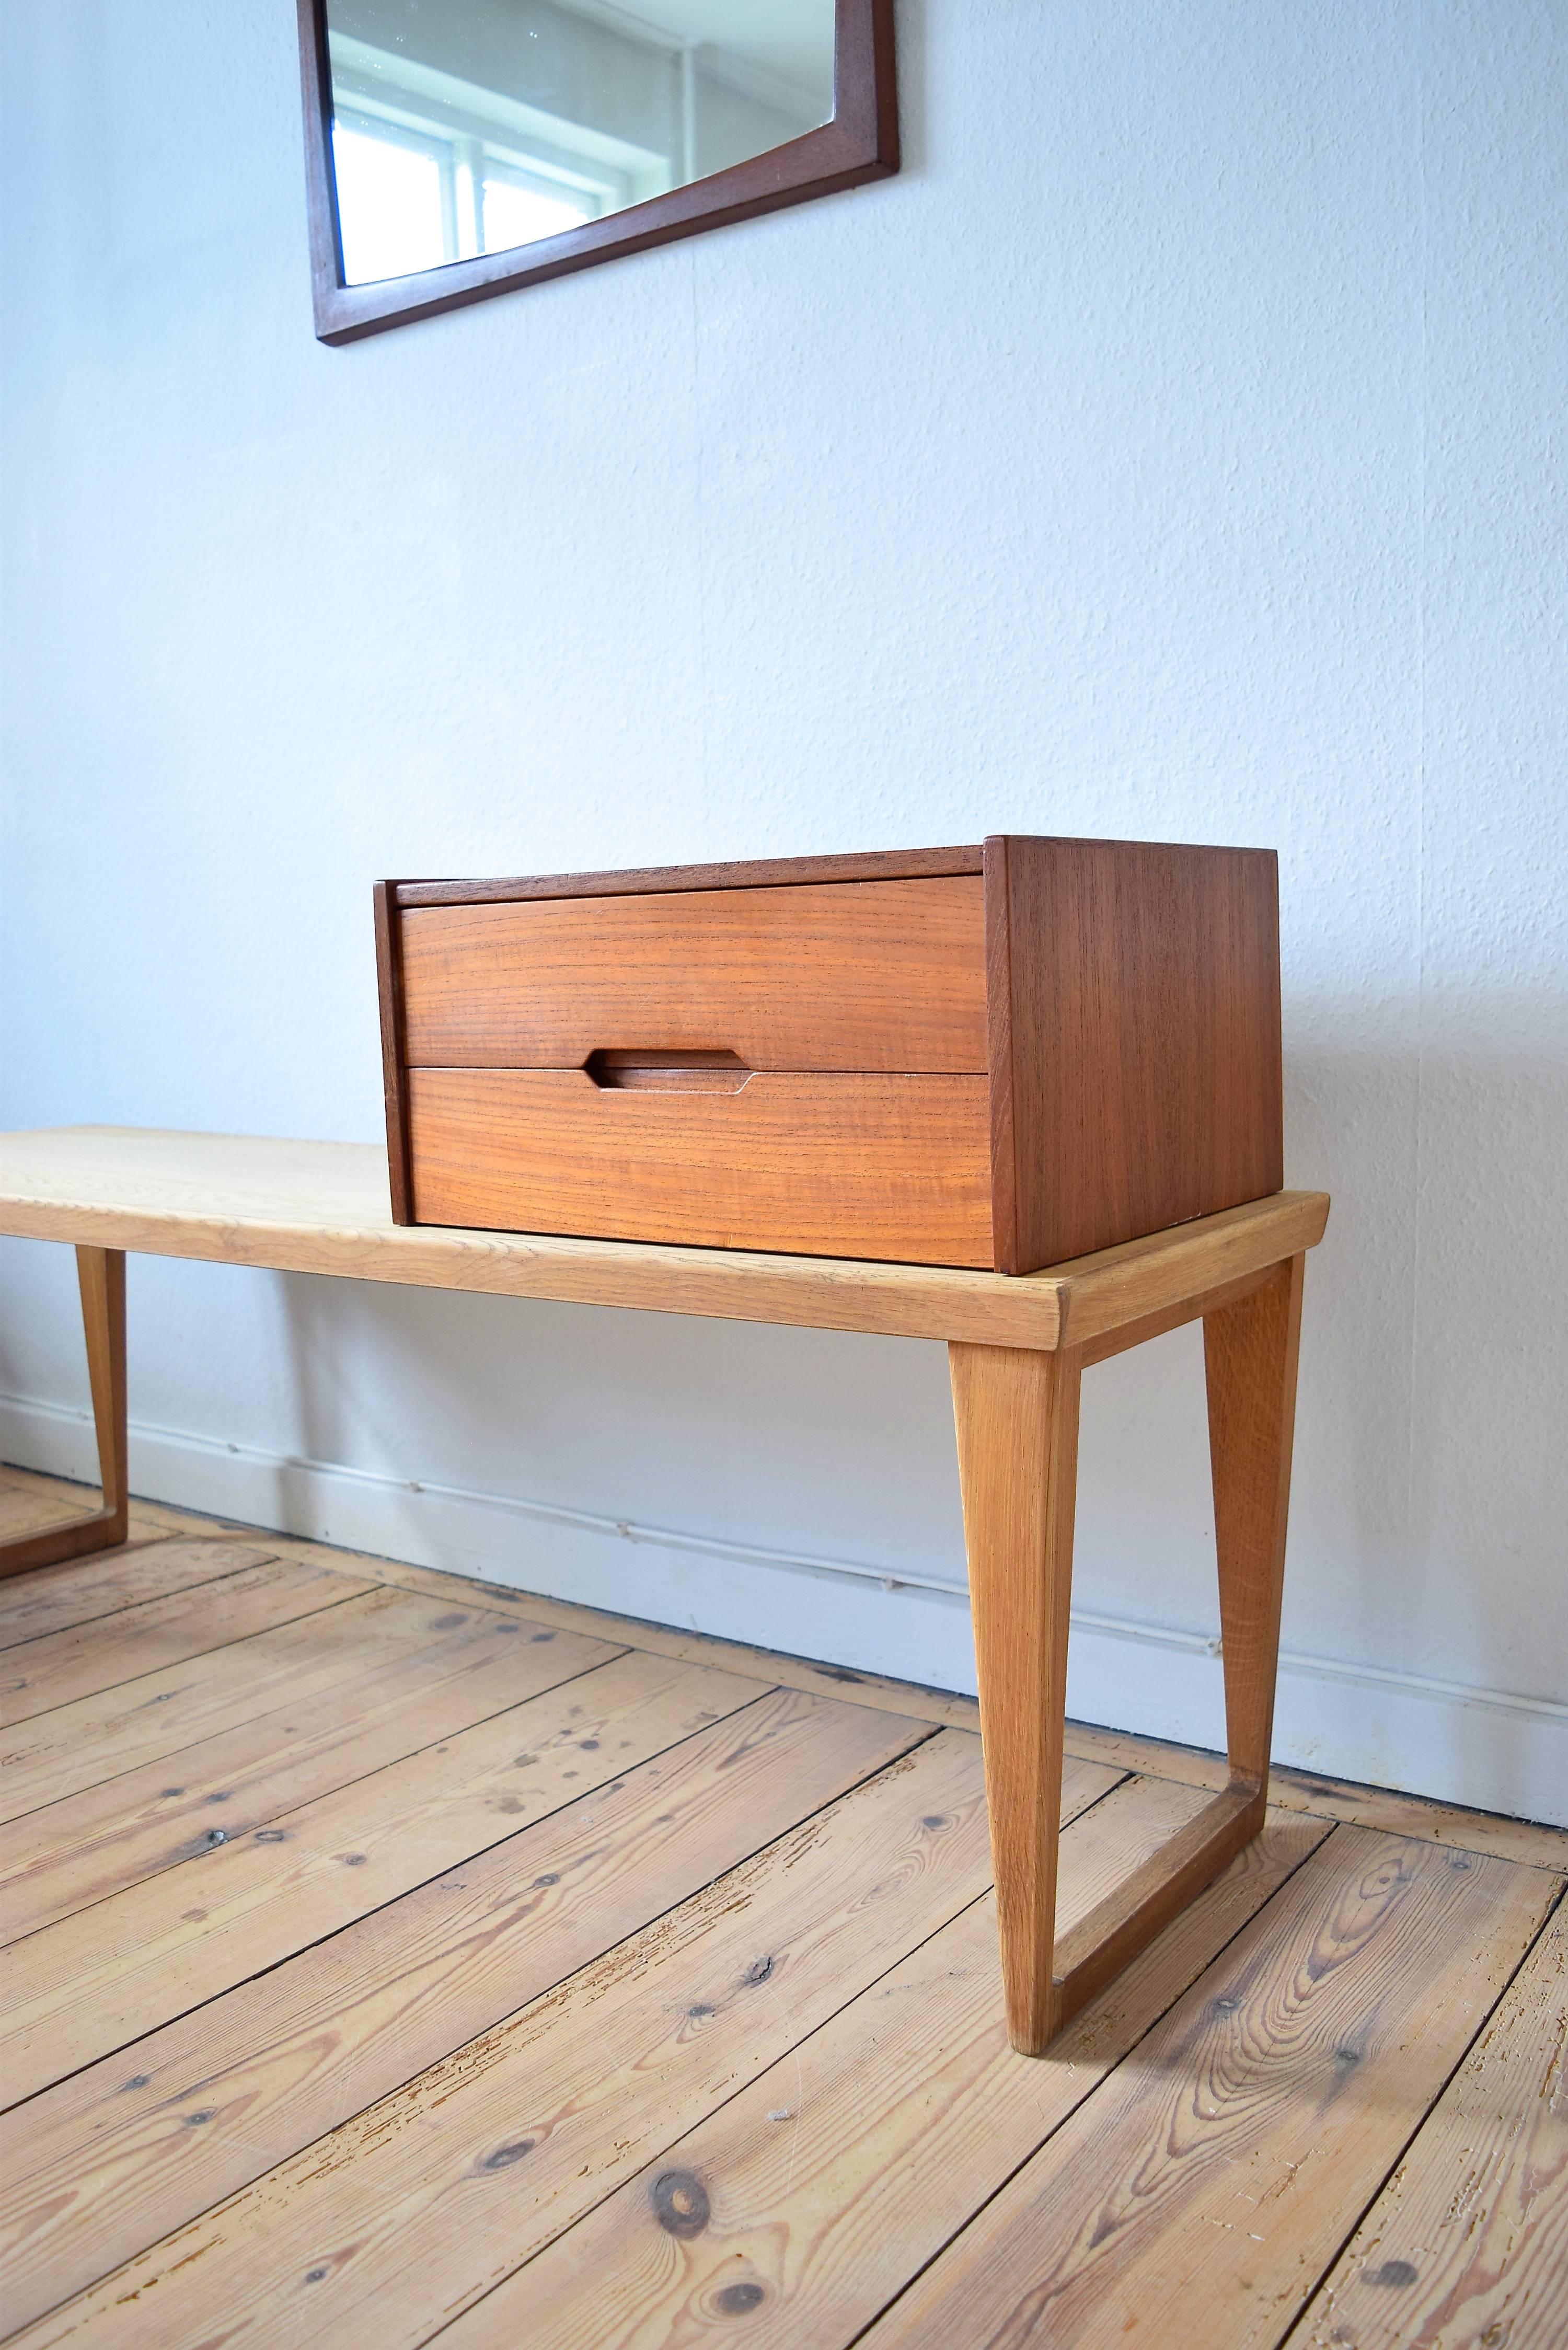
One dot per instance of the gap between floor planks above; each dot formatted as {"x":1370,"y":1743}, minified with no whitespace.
{"x":1449,"y":2009}
{"x":1533,"y":1844}
{"x":875,"y":1737}
{"x":548,"y":2110}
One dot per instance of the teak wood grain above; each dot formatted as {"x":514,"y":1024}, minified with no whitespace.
{"x":1135,"y":1039}
{"x":884,"y":975}
{"x":1122,"y":998}
{"x":394,"y":1072}
{"x":736,"y":873}
{"x":854,"y":1165}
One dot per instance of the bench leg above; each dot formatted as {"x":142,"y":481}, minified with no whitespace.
{"x":100,"y":1273}
{"x":1016,"y":1411}
{"x":1250,"y":1352}
{"x":1017,"y":1418}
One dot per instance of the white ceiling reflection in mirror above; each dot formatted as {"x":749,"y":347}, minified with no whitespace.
{"x":461,"y":127}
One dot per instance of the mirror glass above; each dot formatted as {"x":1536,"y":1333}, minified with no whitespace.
{"x":465,"y":126}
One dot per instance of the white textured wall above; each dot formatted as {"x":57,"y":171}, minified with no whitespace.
{"x":1175,"y":450}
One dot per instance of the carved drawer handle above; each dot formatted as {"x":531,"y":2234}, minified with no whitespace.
{"x":662,"y":1069}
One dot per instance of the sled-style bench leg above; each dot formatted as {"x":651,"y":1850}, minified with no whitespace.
{"x":1017,"y":1415}
{"x":101,"y":1276}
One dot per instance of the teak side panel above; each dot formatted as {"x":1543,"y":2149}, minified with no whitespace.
{"x":1135,"y":1039}
{"x":892,"y":1168}
{"x":886,"y":975}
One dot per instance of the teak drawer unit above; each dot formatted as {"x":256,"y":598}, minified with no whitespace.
{"x":996,"y":1057}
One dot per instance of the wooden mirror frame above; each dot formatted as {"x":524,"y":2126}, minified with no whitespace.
{"x":860,"y":143}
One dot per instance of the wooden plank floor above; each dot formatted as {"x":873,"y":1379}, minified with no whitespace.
{"x":391,"y":1957}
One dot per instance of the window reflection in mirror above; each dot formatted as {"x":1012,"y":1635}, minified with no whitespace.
{"x":466,"y":127}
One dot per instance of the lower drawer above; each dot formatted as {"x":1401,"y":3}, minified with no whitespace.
{"x":835,"y":1164}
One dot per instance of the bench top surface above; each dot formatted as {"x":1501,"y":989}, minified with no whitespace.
{"x":322,"y":1207}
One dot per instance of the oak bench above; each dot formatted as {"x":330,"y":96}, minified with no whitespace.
{"x":1018,"y":1345}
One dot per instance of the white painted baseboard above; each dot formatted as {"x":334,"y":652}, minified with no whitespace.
{"x":1482,"y":1747}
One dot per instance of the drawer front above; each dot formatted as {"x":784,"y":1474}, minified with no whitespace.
{"x":886,"y":975}
{"x":827,"y":1165}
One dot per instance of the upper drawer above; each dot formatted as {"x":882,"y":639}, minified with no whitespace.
{"x":838,"y":975}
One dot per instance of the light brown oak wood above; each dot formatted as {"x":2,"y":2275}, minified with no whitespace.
{"x":452,"y":1668}
{"x":1250,"y":1353}
{"x":421,"y":2203}
{"x":1098,"y":1946}
{"x":1125,"y":1335}
{"x":1017,"y":1419}
{"x":100,"y":1275}
{"x":97,"y":2168}
{"x":1531,"y":1842}
{"x":105,"y":1976}
{"x":873,"y":974}
{"x":1016,"y":1404}
{"x":322,"y":1207}
{"x":1145,"y":1279}
{"x":1468,"y":2241}
{"x":1216,"y":2173}
{"x":834,"y":2177}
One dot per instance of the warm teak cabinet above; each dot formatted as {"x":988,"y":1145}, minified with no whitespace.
{"x":996,"y":1057}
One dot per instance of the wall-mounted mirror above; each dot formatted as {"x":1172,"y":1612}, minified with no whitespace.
{"x":458,"y":148}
